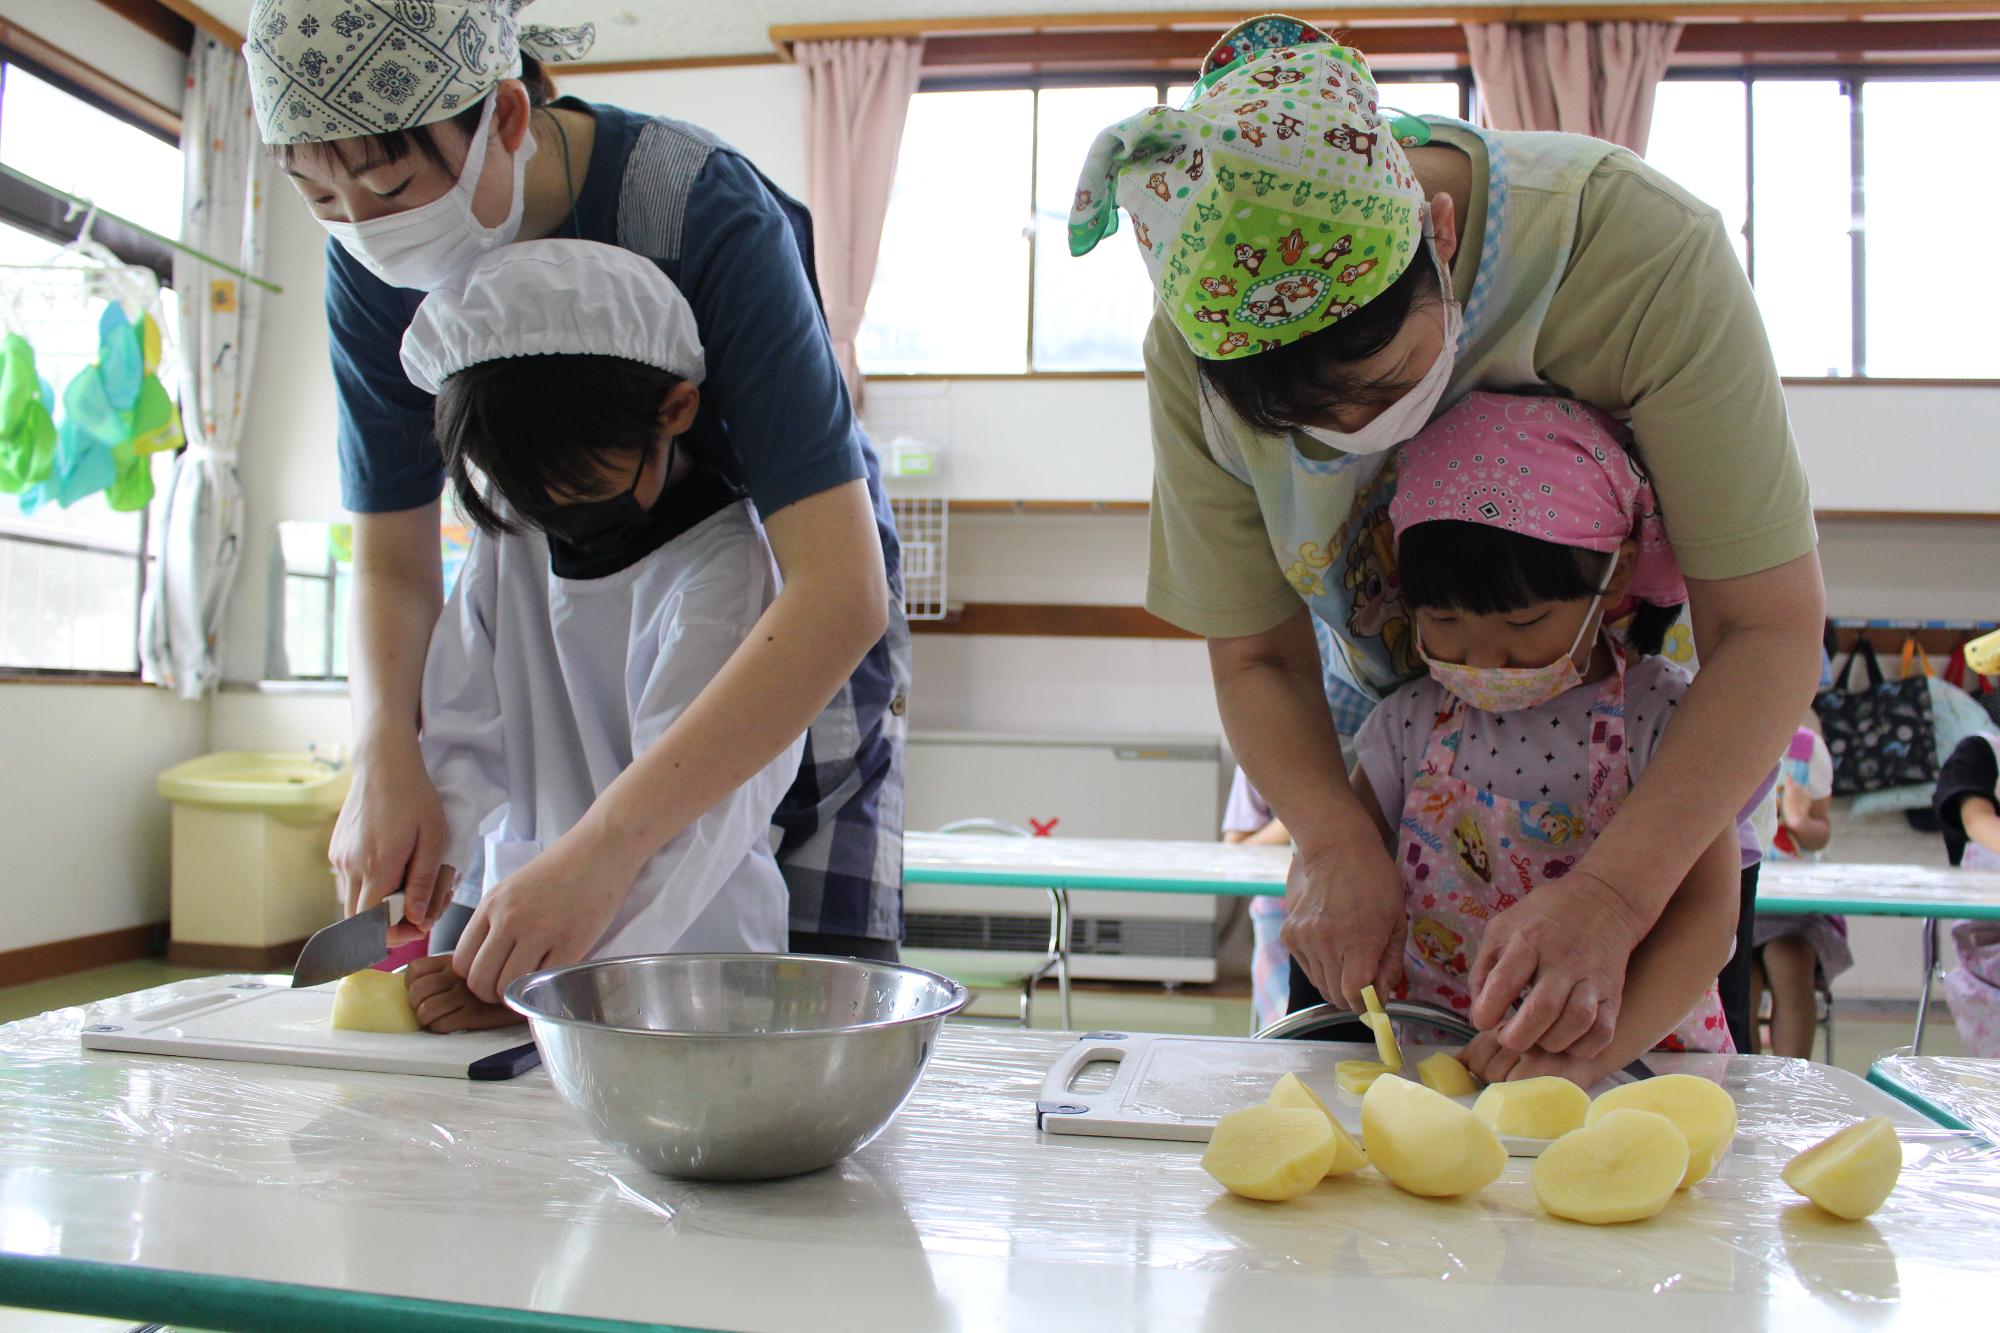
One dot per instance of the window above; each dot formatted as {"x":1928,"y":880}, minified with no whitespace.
{"x":1841,"y":202}
{"x":314,"y":567}
{"x":974,"y":275}
{"x":71,"y":579}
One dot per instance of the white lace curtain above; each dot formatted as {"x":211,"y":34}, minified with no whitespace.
{"x":201,"y":514}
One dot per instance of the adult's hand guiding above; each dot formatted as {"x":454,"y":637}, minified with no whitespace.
{"x":1567,"y":946}
{"x":1344,"y":920}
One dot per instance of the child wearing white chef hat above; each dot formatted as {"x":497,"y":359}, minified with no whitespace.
{"x":613,"y":575}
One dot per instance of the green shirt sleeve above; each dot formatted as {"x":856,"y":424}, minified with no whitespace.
{"x":1212,"y":569}
{"x":1655,"y":320}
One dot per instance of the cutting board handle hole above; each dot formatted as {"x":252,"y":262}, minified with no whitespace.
{"x":1095,"y":1076}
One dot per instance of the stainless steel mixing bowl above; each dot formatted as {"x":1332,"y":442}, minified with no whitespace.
{"x":735,"y":1066}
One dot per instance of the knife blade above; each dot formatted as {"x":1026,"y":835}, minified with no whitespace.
{"x":347,"y":946}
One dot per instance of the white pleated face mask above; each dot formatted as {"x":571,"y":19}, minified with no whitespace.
{"x":1402,"y":419}
{"x":424,"y":247}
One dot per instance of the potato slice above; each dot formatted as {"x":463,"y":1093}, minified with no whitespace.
{"x":1850,"y":1173}
{"x":1425,"y":1142}
{"x":1377,"y":1021}
{"x":1293,"y":1093}
{"x":1533,"y":1108}
{"x":1270,"y":1152}
{"x":1441,"y":1072}
{"x":373,"y":1001}
{"x":1357,"y":1076}
{"x":1703,"y":1113}
{"x":1622,"y":1168}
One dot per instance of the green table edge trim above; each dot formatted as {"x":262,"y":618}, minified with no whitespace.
{"x":1841,"y":907}
{"x":1929,"y":1109}
{"x":230,"y":1304}
{"x":1019,"y":879}
{"x":1011,"y":879}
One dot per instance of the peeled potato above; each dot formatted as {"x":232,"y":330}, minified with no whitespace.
{"x":1357,"y":1076}
{"x":1377,"y":1021}
{"x":1443,"y":1073}
{"x":1621,"y":1168}
{"x":1293,"y":1094}
{"x":1425,"y":1142}
{"x":1700,"y":1110}
{"x":373,"y":1001}
{"x":1850,"y":1173}
{"x":1270,"y":1152}
{"x":1533,"y":1108}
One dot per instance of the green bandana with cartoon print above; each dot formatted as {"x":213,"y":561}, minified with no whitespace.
{"x":1277,"y":202}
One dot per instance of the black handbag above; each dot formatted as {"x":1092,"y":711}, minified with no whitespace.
{"x":1881,"y":735}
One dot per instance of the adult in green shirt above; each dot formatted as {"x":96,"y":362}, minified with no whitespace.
{"x":1328,"y":275}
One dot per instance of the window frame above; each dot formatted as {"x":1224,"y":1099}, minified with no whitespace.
{"x":1158,"y":81}
{"x":1853,"y":79}
{"x":52,"y":218}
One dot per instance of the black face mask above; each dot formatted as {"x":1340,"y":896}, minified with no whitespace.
{"x":600,"y":525}
{"x":602,"y":537}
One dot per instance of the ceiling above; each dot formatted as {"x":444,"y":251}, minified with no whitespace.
{"x":670,"y":29}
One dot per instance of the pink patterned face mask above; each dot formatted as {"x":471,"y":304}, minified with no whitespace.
{"x":1510,"y":689}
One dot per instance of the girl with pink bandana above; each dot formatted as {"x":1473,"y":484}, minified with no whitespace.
{"x":1523,"y":529}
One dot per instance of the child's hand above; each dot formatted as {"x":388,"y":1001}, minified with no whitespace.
{"x":1794,"y":806}
{"x":443,"y":1002}
{"x":550,"y":913}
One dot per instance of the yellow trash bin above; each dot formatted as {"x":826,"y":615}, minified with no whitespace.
{"x":250,"y":876}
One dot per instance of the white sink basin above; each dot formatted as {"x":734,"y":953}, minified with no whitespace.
{"x":293,"y":786}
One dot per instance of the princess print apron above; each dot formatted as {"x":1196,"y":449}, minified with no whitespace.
{"x":1466,"y":854}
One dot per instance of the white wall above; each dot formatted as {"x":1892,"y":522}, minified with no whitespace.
{"x":128,"y":53}
{"x":84,"y":833}
{"x":1873,"y":447}
{"x":289,"y":720}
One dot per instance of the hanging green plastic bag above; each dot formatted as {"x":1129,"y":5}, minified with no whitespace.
{"x":131,"y":488}
{"x":156,"y":421}
{"x":27,"y":431}
{"x":19,"y":385}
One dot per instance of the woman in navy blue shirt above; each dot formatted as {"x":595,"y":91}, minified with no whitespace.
{"x":421,"y":137}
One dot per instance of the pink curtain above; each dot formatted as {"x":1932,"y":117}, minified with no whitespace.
{"x":857,"y":96}
{"x":1583,"y":78}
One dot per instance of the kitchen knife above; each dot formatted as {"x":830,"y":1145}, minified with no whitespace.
{"x":347,"y":946}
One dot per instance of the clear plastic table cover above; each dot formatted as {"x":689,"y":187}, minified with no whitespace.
{"x":961,"y":1212}
{"x":1960,"y":1086}
{"x":1877,"y":890}
{"x":1159,"y":866}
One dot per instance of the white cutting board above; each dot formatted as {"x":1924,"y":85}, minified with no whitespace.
{"x":276,"y":1025}
{"x":1176,"y":1088}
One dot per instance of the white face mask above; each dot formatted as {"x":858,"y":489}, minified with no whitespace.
{"x":423,"y":247}
{"x":1402,"y":419}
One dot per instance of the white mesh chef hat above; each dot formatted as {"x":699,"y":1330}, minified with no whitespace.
{"x":553,"y":298}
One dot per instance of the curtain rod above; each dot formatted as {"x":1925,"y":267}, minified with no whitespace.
{"x":188,"y":250}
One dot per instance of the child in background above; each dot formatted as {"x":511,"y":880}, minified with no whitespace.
{"x":613,"y":575}
{"x":1522,"y":526}
{"x":1247,"y":819}
{"x":1798,"y":954}
{"x":1967,"y":802}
